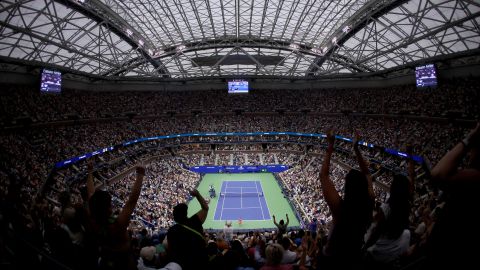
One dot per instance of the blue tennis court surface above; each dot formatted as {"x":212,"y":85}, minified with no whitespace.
{"x":241,"y":199}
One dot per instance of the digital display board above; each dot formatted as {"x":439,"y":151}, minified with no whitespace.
{"x":426,"y":76}
{"x":237,"y":86}
{"x":73,"y":160}
{"x":51,"y":81}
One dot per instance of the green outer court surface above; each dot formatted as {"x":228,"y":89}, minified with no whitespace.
{"x":277,"y":204}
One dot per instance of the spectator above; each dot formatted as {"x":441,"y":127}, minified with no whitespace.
{"x":26,"y":156}
{"x":312,"y":227}
{"x":274,"y":254}
{"x":351,"y":215}
{"x":281,"y":226}
{"x":148,"y":260}
{"x":390,"y":237}
{"x":186,"y":244}
{"x":236,"y":258}
{"x":228,"y":231}
{"x":289,"y":256}
{"x":110,"y":230}
{"x":456,"y":231}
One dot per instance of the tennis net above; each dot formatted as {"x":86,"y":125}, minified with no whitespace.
{"x":243,"y":194}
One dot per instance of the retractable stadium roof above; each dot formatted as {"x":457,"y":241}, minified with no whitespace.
{"x":218,"y":38}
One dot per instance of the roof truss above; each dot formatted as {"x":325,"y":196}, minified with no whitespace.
{"x":162,"y":38}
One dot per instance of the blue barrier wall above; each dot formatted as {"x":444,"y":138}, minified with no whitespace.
{"x":73,"y":160}
{"x":239,"y":169}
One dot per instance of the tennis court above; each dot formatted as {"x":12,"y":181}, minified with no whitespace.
{"x":241,"y":200}
{"x":267,"y":197}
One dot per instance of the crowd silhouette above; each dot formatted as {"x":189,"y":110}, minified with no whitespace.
{"x":126,"y":209}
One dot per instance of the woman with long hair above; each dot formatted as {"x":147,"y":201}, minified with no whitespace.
{"x":351,"y":215}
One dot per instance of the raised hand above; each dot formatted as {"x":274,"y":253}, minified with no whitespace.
{"x":473,"y":137}
{"x":330,"y":137}
{"x":90,"y":165}
{"x":140,"y":169}
{"x":356,"y":138}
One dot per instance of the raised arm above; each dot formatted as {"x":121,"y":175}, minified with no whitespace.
{"x":90,"y":184}
{"x":328,"y":188}
{"x":363,"y":165}
{"x":203,"y":212}
{"x":448,"y":165}
{"x":124,"y":217}
{"x":274,"y":221}
{"x":303,"y":255}
{"x":286,"y":224}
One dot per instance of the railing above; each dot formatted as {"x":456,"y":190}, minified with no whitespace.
{"x":281,"y":183}
{"x":318,"y":136}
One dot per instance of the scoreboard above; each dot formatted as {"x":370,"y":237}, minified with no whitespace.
{"x":237,"y":86}
{"x":426,"y":75}
{"x":51,"y":81}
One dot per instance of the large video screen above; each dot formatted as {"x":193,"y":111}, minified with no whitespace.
{"x":426,"y":76}
{"x":51,"y":81}
{"x":237,"y":86}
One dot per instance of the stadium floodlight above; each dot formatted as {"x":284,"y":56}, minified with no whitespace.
{"x":317,"y":51}
{"x":294,"y":47}
{"x":150,"y":52}
{"x":158,"y":53}
{"x":141,"y":42}
{"x":347,"y":29}
{"x":324,"y":50}
{"x":129,"y":32}
{"x":334,"y":40}
{"x":180,"y":48}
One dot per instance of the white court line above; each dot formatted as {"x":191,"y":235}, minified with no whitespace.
{"x":241,"y":198}
{"x":261,"y":207}
{"x":243,"y":208}
{"x":221,"y":213}
{"x":237,"y":182}
{"x":237,"y":188}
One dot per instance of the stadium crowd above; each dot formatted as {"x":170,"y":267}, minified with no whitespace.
{"x":459,"y":96}
{"x":59,"y":221}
